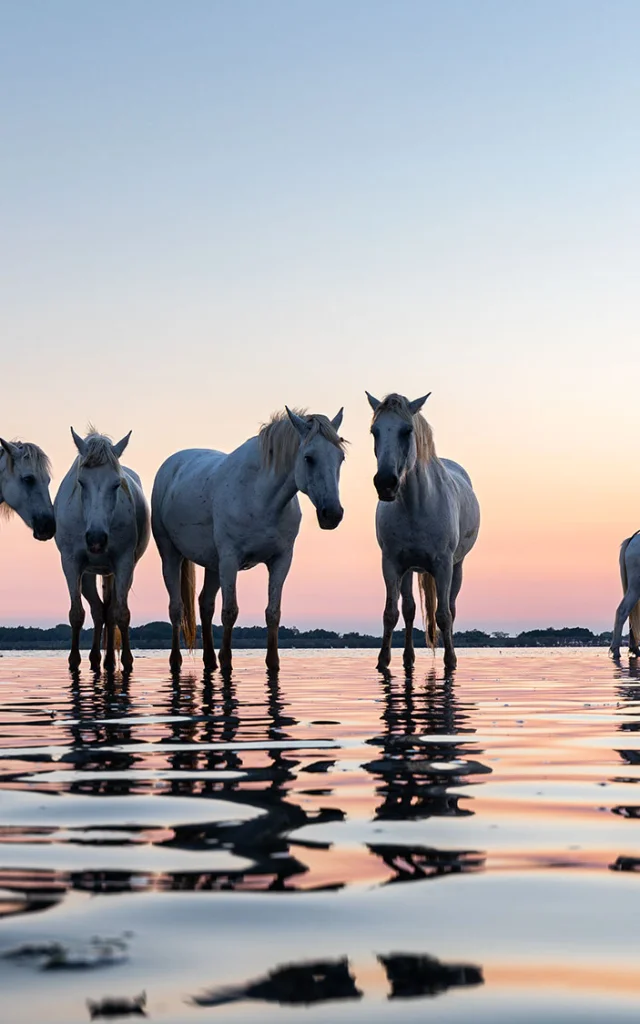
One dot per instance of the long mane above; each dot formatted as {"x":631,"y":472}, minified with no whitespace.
{"x":424,"y":435}
{"x":280,"y":441}
{"x":37,"y":460}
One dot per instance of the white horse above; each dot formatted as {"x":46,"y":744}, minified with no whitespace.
{"x":629,"y":608}
{"x":25,"y":475}
{"x":427,"y":521}
{"x":231,"y":512}
{"x":102,"y":529}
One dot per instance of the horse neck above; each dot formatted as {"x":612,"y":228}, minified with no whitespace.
{"x":419,"y":481}
{"x":279,"y":489}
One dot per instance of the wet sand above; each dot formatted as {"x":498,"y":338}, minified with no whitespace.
{"x":236,"y":849}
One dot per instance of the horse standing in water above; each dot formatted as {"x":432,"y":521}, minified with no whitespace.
{"x":231,"y":512}
{"x":427,"y":521}
{"x":103,"y":529}
{"x":629,"y":608}
{"x":25,"y":475}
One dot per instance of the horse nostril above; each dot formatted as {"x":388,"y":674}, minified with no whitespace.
{"x":96,"y":540}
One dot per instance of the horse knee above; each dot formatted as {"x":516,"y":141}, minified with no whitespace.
{"x":229,"y":615}
{"x":272,"y":618}
{"x":76,"y":615}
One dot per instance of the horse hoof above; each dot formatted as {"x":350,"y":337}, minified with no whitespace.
{"x":94,"y":662}
{"x":175,"y":662}
{"x":74,"y":662}
{"x":383,"y":664}
{"x":210,"y":663}
{"x":127,"y":664}
{"x":273,"y":664}
{"x":450,"y":665}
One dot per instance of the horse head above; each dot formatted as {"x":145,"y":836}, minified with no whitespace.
{"x":25,"y":475}
{"x":99,"y":478}
{"x":318,"y":463}
{"x":401,"y":438}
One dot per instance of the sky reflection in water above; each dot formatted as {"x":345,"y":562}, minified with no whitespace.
{"x":221,"y":844}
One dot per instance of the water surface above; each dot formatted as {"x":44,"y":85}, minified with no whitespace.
{"x":324,"y":846}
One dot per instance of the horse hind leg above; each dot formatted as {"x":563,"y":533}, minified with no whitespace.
{"x":626,"y":606}
{"x":207,"y":601}
{"x":90,"y":593}
{"x":456,"y":583}
{"x":408,"y":614}
{"x":171,"y":572}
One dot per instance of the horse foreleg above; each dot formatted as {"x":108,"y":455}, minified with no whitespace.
{"x":90,"y":592}
{"x":391,"y":614}
{"x":408,"y":614}
{"x":443,"y":576}
{"x":278,"y":571}
{"x":207,"y":601}
{"x":228,"y":577}
{"x":76,"y":612}
{"x":623,"y":612}
{"x":122,"y":580}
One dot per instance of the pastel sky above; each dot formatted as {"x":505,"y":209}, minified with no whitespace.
{"x":209,"y":210}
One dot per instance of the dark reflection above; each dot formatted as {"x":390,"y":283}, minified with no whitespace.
{"x":193,"y":737}
{"x":415,"y":778}
{"x":410,"y":976}
{"x":629,"y":697}
{"x":292,"y":985}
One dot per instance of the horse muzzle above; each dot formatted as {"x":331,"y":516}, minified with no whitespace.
{"x":44,"y":527}
{"x":96,"y":541}
{"x":386,"y":485}
{"x":329,"y":518}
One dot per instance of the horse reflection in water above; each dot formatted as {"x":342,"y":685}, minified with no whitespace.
{"x":300,"y":984}
{"x":416,"y":777}
{"x":261,"y":840}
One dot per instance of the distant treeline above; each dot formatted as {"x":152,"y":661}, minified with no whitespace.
{"x":158,"y":635}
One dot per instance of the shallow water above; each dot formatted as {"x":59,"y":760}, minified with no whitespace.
{"x":237,"y":849}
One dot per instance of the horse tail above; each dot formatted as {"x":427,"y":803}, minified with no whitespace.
{"x":107,"y":598}
{"x":634,"y":614}
{"x":188,"y":595}
{"x":428,"y":602}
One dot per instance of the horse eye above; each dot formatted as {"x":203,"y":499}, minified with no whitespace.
{"x":309,"y":459}
{"x":406,"y":432}
{"x":29,"y":479}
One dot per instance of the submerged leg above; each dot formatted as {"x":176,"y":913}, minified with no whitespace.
{"x":456,"y":583}
{"x":90,"y":592}
{"x":207,"y":601}
{"x":391,"y":614}
{"x":408,"y":614}
{"x":623,"y":611}
{"x":228,"y":577}
{"x":73,"y":576}
{"x":443,"y":574}
{"x":278,"y":571}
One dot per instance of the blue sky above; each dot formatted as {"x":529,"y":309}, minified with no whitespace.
{"x":210,"y":209}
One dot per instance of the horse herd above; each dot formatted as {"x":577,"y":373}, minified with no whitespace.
{"x":228,"y":512}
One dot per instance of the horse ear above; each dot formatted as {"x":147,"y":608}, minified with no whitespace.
{"x":373,"y":402}
{"x":337,"y":420}
{"x":121,"y":445}
{"x":417,"y":404}
{"x":299,"y":423}
{"x":79,"y":443}
{"x":10,"y":448}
